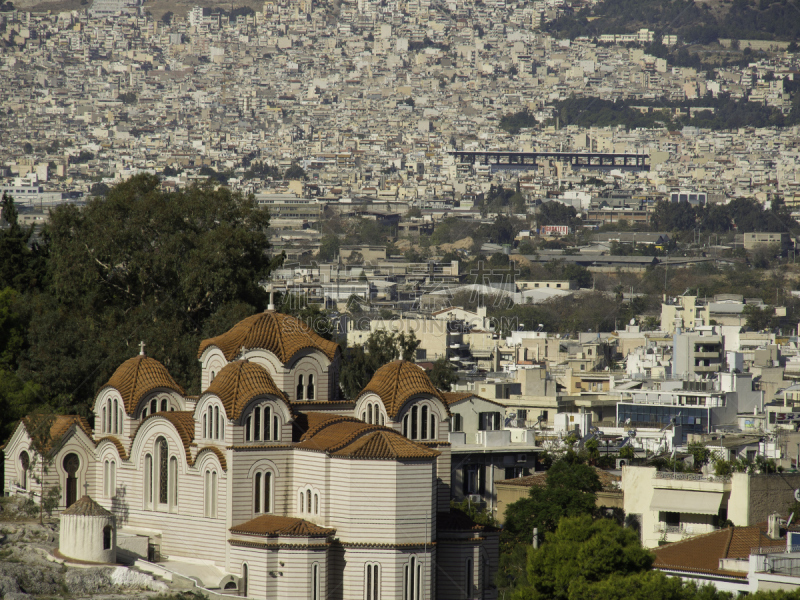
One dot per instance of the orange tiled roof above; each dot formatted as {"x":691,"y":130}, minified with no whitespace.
{"x":702,"y":553}
{"x":273,"y":525}
{"x":283,"y":335}
{"x":120,"y":448}
{"x":59,"y":426}
{"x":398,"y":381}
{"x":138,"y":376}
{"x":345,"y":437}
{"x":239,"y":382}
{"x":183,"y":421}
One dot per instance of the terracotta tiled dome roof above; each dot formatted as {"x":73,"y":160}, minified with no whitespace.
{"x":274,"y":525}
{"x":138,"y":376}
{"x":239,"y":382}
{"x":348,"y":437}
{"x":281,"y":334}
{"x":398,"y":381}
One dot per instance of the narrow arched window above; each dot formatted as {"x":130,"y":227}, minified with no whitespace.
{"x":113,"y":484}
{"x":257,"y":494}
{"x":300,"y":387}
{"x":205,"y":426}
{"x":173,"y":481}
{"x":207,"y":494}
{"x":153,"y":406}
{"x":105,"y":421}
{"x":382,"y":419}
{"x":164,"y":405}
{"x":148,"y":479}
{"x":106,"y":475}
{"x":414,"y":424}
{"x":267,"y":492}
{"x":405,"y":426}
{"x":216,"y":422}
{"x":364,"y":416}
{"x":424,"y":423}
{"x":315,"y":582}
{"x":316,"y":504}
{"x":433,"y":427}
{"x":247,"y":428}
{"x":107,"y":425}
{"x":369,"y":413}
{"x":107,"y":537}
{"x":302,"y":502}
{"x":116,"y":419}
{"x":308,"y":495}
{"x":244,"y":580}
{"x":267,"y":422}
{"x":310,"y":388}
{"x":163,"y":474}
{"x":212,"y":376}
{"x":144,"y":413}
{"x":276,"y":430}
{"x":213,"y":494}
{"x":257,"y":424}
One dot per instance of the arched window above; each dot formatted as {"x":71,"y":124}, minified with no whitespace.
{"x":424,"y":424}
{"x":211,"y":494}
{"x":405,"y":426}
{"x":257,"y":494}
{"x":216,"y":422}
{"x":24,"y":465}
{"x":162,"y":448}
{"x":244,"y":580}
{"x":247,"y":428}
{"x":267,"y":492}
{"x":300,"y":387}
{"x":106,"y":478}
{"x":257,"y":424}
{"x":205,"y":425}
{"x":315,"y":594}
{"x":153,"y":406}
{"x":412,"y":576}
{"x":433,"y":435}
{"x":71,"y":465}
{"x":316,"y":504}
{"x":113,"y":479}
{"x":372,"y":582}
{"x":164,"y":405}
{"x":369,"y":413}
{"x":117,"y":420}
{"x":276,"y":430}
{"x":212,"y":376}
{"x":107,"y":537}
{"x":105,"y":421}
{"x":310,"y":388}
{"x":173,"y":481}
{"x":267,"y":422}
{"x":302,"y":502}
{"x":382,"y":421}
{"x":148,"y":479}
{"x":144,"y":413}
{"x":308,"y":494}
{"x":414,"y":424}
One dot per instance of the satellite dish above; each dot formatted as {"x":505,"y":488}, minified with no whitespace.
{"x":797,"y":495}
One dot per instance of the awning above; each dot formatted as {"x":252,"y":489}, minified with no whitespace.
{"x":686,"y":501}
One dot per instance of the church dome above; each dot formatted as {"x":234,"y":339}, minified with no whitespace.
{"x":398,"y":381}
{"x":238,"y":383}
{"x":283,"y":335}
{"x":137,"y":377}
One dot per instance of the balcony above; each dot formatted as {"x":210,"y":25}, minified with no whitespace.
{"x":684,"y":529}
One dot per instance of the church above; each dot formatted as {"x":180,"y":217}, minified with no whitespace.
{"x":271,"y":475}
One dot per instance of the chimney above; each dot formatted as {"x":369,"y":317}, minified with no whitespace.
{"x":774,"y":527}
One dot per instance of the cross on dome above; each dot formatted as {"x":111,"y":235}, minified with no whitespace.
{"x":141,"y":348}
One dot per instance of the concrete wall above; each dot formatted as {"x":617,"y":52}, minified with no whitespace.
{"x":81,"y":538}
{"x":769,"y":494}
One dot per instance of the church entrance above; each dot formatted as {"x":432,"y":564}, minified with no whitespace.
{"x":71,"y":465}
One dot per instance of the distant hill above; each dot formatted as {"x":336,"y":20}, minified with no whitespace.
{"x":695,"y":22}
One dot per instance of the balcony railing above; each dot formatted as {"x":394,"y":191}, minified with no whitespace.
{"x":684,"y":528}
{"x":690,"y":477}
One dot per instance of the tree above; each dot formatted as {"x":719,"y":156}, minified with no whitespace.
{"x":758,"y":318}
{"x":328,"y":248}
{"x":166,"y":18}
{"x":700,"y":453}
{"x":570,"y":490}
{"x":22,"y":266}
{"x":443,"y":376}
{"x":381,"y":347}
{"x":141,"y":264}
{"x":578,"y":555}
{"x":295,"y":172}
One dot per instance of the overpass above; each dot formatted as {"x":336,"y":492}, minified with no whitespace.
{"x":524,"y":161}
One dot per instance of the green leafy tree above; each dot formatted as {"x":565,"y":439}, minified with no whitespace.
{"x":328,"y":247}
{"x":22,"y":267}
{"x":700,"y":453}
{"x":381,"y":347}
{"x":142,"y":264}
{"x":443,"y":376}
